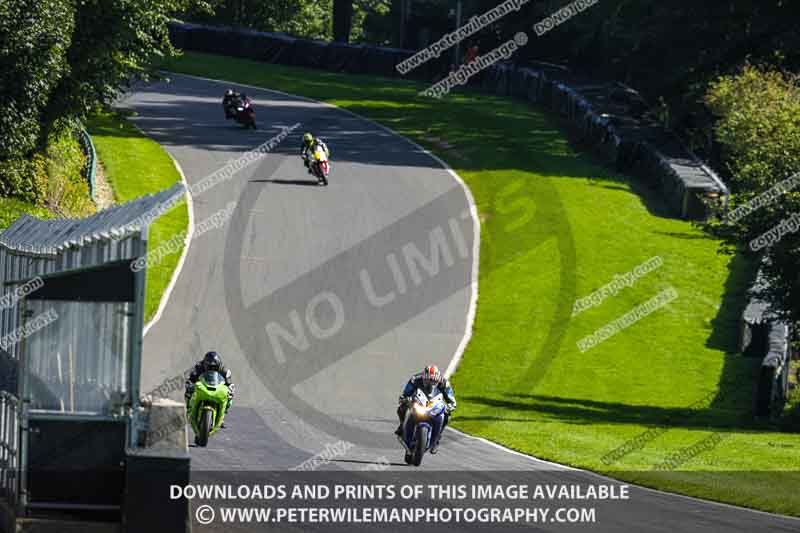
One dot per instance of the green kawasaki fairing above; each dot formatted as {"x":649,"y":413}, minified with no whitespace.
{"x":207,"y":406}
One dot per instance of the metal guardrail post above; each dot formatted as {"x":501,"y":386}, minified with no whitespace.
{"x":91,"y":165}
{"x":137,"y":325}
{"x":24,"y":419}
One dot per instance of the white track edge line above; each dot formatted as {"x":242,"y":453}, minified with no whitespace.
{"x":473,"y":210}
{"x":473,"y":304}
{"x":605,"y":477}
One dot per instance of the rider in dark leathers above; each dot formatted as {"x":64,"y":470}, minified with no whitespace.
{"x":211,"y":361}
{"x":230,"y":102}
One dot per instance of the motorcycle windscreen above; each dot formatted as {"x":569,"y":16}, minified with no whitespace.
{"x":212,"y":378}
{"x":428,"y":390}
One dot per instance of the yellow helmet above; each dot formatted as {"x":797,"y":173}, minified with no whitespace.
{"x":308,"y":138}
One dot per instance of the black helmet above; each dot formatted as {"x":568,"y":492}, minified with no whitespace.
{"x":212,"y":361}
{"x":229,"y":92}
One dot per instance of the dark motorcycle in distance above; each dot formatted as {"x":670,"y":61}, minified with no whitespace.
{"x":241,"y":110}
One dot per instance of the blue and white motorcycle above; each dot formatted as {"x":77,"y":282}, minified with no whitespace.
{"x":423,"y":424}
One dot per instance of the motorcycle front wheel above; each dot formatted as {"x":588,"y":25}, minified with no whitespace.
{"x":422,"y":442}
{"x":317,"y":173}
{"x":206,"y":423}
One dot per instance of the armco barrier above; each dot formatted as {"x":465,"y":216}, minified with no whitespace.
{"x":772,"y":387}
{"x":91,"y":160}
{"x":608,"y":116}
{"x":767,"y":337}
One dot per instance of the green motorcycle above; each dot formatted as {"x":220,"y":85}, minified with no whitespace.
{"x":207,"y":406}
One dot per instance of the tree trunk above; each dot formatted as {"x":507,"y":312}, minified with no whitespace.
{"x":395,"y":14}
{"x":342,"y":20}
{"x":400,"y":13}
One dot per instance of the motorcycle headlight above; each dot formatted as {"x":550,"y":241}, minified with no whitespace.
{"x":419,"y":410}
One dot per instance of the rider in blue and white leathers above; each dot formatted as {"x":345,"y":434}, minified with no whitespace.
{"x":431,"y":376}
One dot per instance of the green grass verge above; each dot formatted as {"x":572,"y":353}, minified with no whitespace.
{"x":11,"y":209}
{"x":64,"y":191}
{"x":135,"y":166}
{"x":523,"y":382}
{"x":67,"y":192}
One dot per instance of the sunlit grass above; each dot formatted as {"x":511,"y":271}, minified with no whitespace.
{"x":136,"y":166}
{"x":523,"y":382}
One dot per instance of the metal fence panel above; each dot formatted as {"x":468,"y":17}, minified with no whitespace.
{"x":79,"y":363}
{"x":82,"y":364}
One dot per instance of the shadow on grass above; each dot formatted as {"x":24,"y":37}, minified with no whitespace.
{"x":790,"y":421}
{"x":582,"y":411}
{"x":688,"y":236}
{"x":725,"y":326}
{"x":737,"y":379}
{"x":650,"y":194}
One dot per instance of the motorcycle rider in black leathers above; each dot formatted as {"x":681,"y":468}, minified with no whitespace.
{"x":431,"y":376}
{"x":211,"y":361}
{"x":231,"y":100}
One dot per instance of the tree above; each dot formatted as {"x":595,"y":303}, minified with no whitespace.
{"x":33,"y":60}
{"x":114,"y":43}
{"x":303,"y":18}
{"x":61,"y":58}
{"x":759,"y":128}
{"x":342,"y":20}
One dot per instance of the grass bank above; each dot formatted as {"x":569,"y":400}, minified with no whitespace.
{"x":135,"y":166}
{"x":11,"y":209}
{"x":672,"y":374}
{"x":58,"y":181}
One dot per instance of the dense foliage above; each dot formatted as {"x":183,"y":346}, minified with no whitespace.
{"x":33,"y":46}
{"x":297,"y":17}
{"x":61,"y":58}
{"x":113,"y":43}
{"x":342,"y":20}
{"x":759,"y":129}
